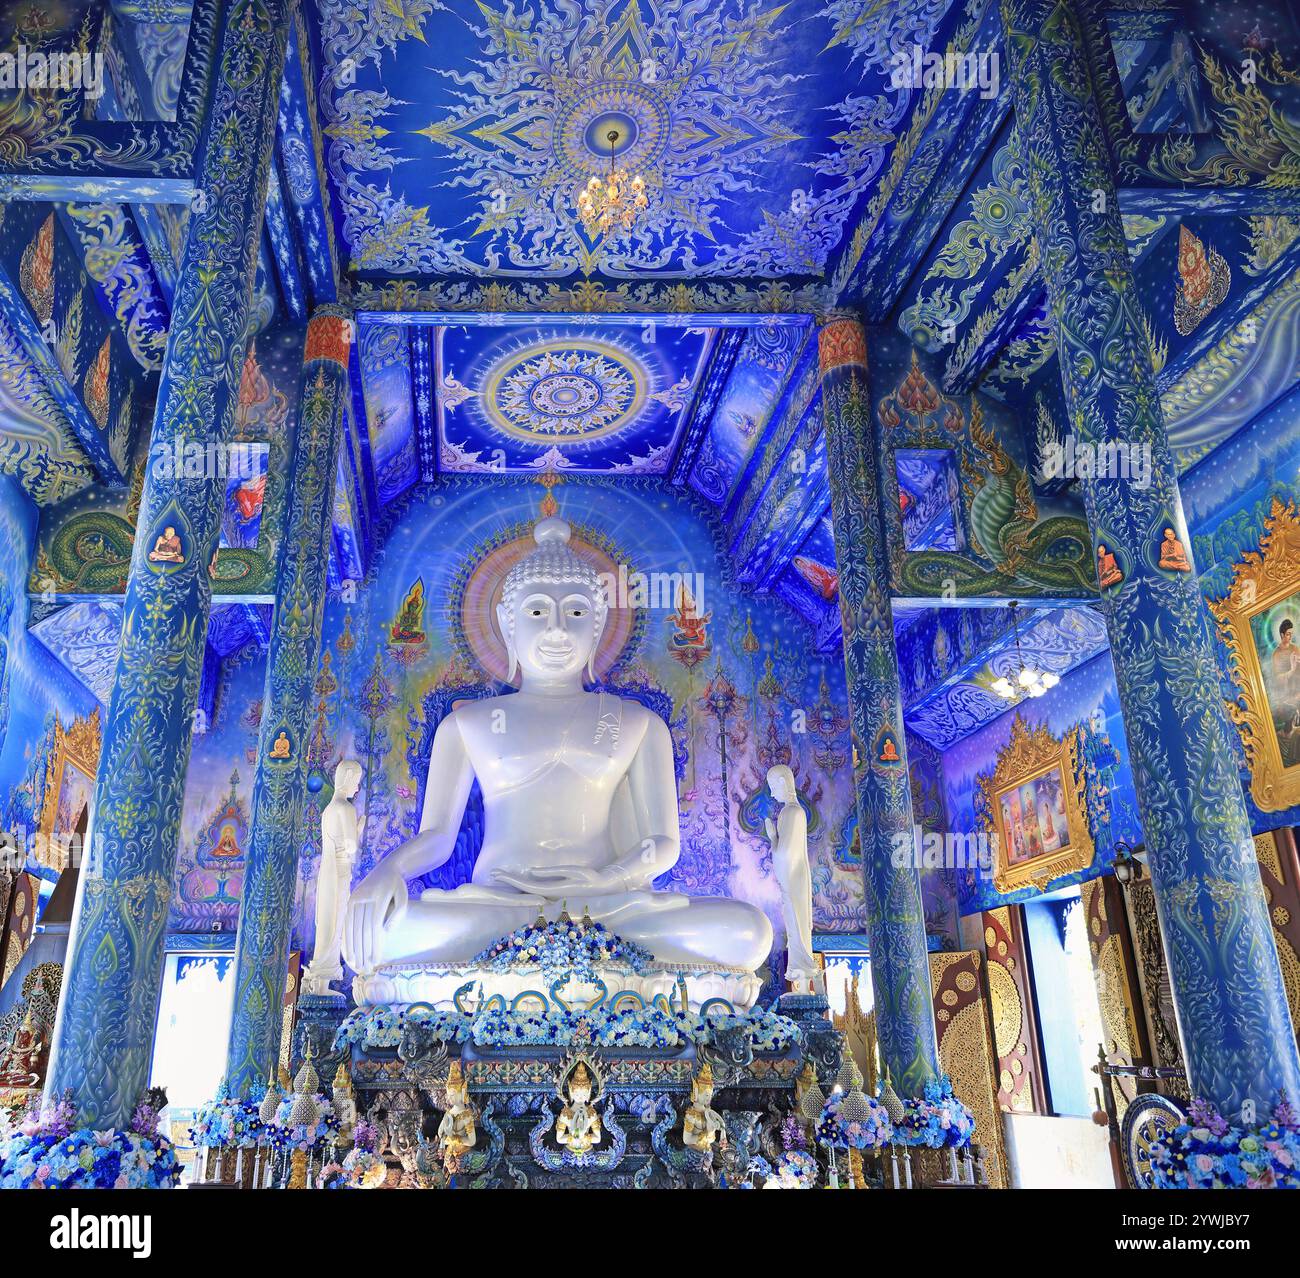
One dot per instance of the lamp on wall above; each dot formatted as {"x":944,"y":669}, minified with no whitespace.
{"x":1029,"y":681}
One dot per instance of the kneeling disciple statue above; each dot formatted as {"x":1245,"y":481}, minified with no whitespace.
{"x":340,"y":831}
{"x":579,"y":801}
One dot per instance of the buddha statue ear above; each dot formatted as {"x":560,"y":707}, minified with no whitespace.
{"x":595,"y":644}
{"x":504,"y":621}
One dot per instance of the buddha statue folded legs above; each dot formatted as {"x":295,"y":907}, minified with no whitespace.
{"x":579,"y":798}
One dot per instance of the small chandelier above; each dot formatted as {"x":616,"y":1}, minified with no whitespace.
{"x":1029,"y":682}
{"x":616,"y":201}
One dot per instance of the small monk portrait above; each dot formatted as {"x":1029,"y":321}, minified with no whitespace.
{"x":1173,"y":558}
{"x":167,"y":549}
{"x":1108,"y":573}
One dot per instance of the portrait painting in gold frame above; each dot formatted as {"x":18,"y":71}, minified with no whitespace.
{"x":1031,"y":799}
{"x":1259,"y":621}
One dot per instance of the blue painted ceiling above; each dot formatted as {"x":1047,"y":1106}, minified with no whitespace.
{"x":428,"y":158}
{"x":459,"y":134}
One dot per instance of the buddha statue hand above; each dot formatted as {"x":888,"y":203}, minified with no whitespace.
{"x":637,"y":869}
{"x":377,"y":903}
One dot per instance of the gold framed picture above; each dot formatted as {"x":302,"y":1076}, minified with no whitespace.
{"x":1039,"y":829}
{"x":69,"y":788}
{"x":1259,"y":621}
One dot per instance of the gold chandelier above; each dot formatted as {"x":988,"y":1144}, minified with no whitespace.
{"x":615,"y":201}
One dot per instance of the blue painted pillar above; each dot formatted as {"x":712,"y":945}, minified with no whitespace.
{"x":900,"y":964}
{"x":266,"y":906}
{"x":1227,"y":985}
{"x":106,"y":1023}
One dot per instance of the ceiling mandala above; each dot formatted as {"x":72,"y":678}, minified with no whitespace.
{"x":458,"y":134}
{"x":569,"y":397}
{"x":558,"y":391}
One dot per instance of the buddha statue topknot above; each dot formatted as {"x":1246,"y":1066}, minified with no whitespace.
{"x":579,"y":798}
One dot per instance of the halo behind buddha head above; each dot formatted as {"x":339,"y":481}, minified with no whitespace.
{"x":552,"y":563}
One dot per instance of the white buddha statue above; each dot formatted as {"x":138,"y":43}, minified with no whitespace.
{"x":579,"y":798}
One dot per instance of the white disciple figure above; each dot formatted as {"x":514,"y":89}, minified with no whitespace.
{"x":340,"y":832}
{"x":788,"y":835}
{"x":579,"y":802}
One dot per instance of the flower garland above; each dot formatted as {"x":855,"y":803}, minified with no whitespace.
{"x":769,"y":1031}
{"x":49,"y":1152}
{"x":643,"y":1027}
{"x":382,"y":1026}
{"x":227,"y":1121}
{"x":795,"y":1169}
{"x":937,"y":1120}
{"x":563,"y":949}
{"x":1207,"y":1152}
{"x":869,"y":1132}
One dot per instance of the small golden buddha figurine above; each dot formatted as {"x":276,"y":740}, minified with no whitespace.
{"x":21,"y":1065}
{"x":703,"y":1126}
{"x":1108,"y":573}
{"x":456,"y":1133}
{"x":280,"y":746}
{"x":167,"y":549}
{"x":578,"y":1126}
{"x":1173,"y":558}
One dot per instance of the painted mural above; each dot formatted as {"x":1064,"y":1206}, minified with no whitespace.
{"x":38,"y":697}
{"x":86,"y":540}
{"x":1087,"y":701}
{"x":732,"y":675}
{"x":1011,"y":542}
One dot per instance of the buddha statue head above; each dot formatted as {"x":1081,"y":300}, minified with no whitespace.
{"x":553,"y":608}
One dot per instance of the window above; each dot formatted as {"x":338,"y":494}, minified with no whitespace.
{"x":1065,"y":994}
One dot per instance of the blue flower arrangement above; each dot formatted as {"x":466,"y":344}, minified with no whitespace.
{"x":871,"y":1131}
{"x":227,"y":1121}
{"x":48,"y":1152}
{"x":1207,"y":1152}
{"x":937,"y":1120}
{"x":563,"y":948}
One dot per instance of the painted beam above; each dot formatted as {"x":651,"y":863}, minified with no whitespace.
{"x":710,"y":389}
